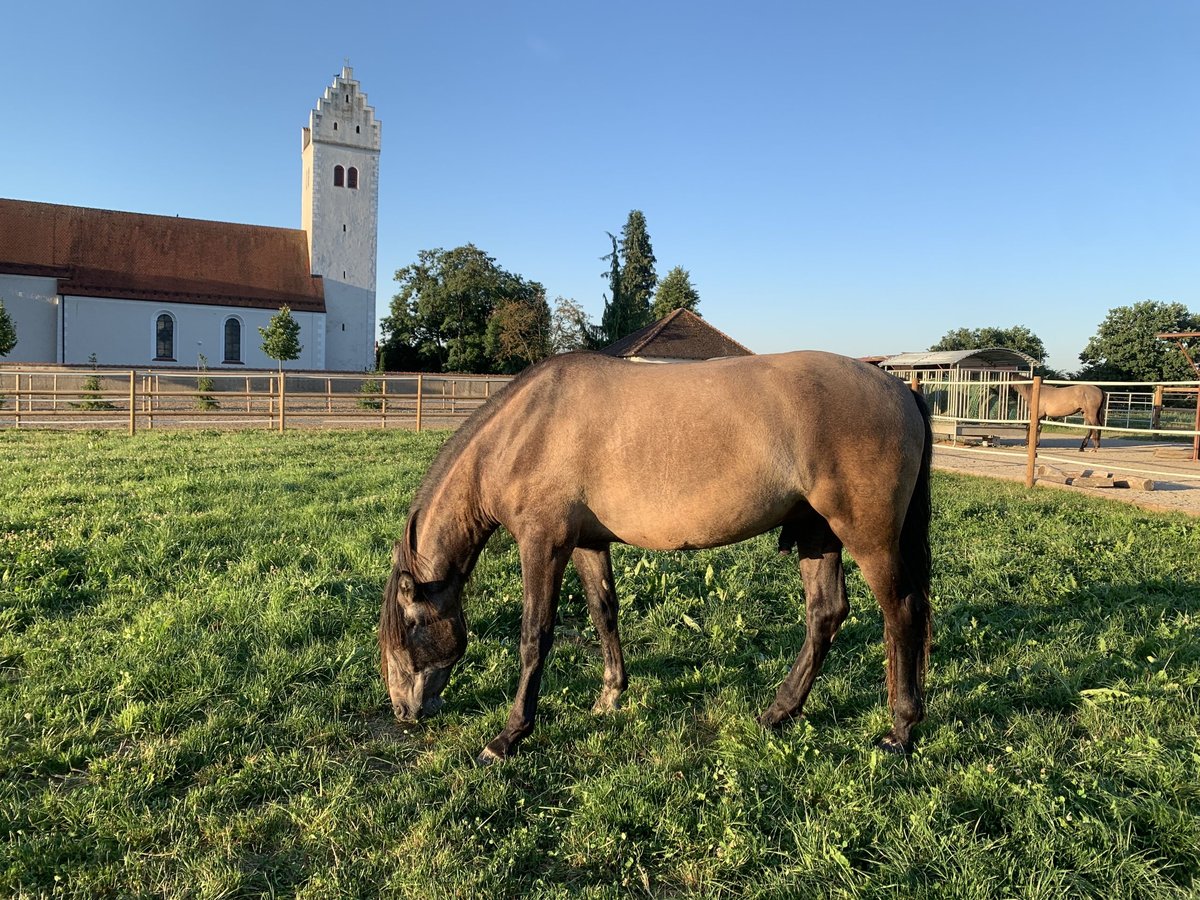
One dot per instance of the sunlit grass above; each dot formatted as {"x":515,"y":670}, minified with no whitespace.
{"x":190,"y":702}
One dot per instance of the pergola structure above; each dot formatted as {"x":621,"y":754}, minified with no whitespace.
{"x":1179,"y":337}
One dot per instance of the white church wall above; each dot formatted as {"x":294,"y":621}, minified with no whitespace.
{"x":32,"y":303}
{"x":122,"y":333}
{"x":350,"y":334}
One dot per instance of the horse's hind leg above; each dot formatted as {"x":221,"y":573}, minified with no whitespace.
{"x":827,"y":608}
{"x":906,"y":628}
{"x":595,"y":571}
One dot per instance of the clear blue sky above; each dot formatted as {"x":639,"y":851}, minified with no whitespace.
{"x":857,"y":177}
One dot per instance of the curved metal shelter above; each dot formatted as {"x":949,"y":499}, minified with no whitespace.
{"x":993,"y":359}
{"x":968,"y":390}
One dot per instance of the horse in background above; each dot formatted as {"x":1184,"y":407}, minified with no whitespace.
{"x":1058,"y":402}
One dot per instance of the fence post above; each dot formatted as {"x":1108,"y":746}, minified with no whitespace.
{"x":1035,"y":401}
{"x":420,"y":382}
{"x":282,"y":394}
{"x":132,"y":402}
{"x":328,"y":395}
{"x":383,"y":401}
{"x":17,"y":400}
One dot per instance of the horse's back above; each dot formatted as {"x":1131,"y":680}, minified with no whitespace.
{"x":699,"y":454}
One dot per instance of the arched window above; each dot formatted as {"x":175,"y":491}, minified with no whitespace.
{"x":339,"y":176}
{"x":352,"y":178}
{"x":233,"y":340}
{"x":164,"y":337}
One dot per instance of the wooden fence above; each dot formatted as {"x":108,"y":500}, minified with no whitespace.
{"x":133,"y":399}
{"x":973,"y":409}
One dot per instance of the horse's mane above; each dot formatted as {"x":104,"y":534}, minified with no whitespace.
{"x":466,"y":432}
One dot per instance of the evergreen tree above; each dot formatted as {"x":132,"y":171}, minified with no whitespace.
{"x":674,"y":292}
{"x":8,"y":332}
{"x":615,"y":322}
{"x":281,"y":337}
{"x":637,"y":271}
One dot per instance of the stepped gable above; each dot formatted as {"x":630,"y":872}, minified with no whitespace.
{"x":106,"y":253}
{"x":679,"y":335}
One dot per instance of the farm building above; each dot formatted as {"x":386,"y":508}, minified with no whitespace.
{"x":680,"y":336}
{"x":968,"y":386}
{"x":138,"y":290}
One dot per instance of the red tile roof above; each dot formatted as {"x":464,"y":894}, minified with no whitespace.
{"x":680,"y":335}
{"x":104,"y":253}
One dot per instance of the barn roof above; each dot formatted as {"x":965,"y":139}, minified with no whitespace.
{"x":680,"y":335}
{"x":105,"y":253}
{"x":979,"y":358}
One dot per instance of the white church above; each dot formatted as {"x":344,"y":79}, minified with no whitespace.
{"x":159,"y":291}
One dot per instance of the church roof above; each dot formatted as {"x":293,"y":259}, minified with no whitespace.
{"x":105,"y":253}
{"x":680,"y":335}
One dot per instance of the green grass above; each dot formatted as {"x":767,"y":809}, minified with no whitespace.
{"x":190,"y":703}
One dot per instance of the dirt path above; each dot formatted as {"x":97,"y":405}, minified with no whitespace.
{"x":1176,"y":480}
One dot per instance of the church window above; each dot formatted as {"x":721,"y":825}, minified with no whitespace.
{"x":335,"y":126}
{"x":352,"y":178}
{"x":164,"y":337}
{"x":357,"y":129}
{"x":233,"y":340}
{"x":339,"y":176}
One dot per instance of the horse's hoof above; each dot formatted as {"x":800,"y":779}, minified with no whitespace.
{"x":890,"y":744}
{"x":609,"y":701}
{"x":488,"y":757}
{"x":772,"y":721}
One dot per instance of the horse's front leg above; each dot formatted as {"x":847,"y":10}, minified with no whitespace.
{"x":542,"y":566}
{"x":595,"y":571}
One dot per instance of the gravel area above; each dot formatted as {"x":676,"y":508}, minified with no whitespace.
{"x":1176,"y":479}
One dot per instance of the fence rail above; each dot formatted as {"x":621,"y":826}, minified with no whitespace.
{"x":132,"y":399}
{"x":978,"y":408}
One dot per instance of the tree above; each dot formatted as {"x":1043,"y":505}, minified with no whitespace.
{"x":441,"y":318}
{"x":281,"y":337}
{"x":637,"y":271}
{"x":8,"y":332}
{"x":616,"y":322}
{"x":571,"y":329}
{"x":518,"y":332}
{"x":1018,"y":337}
{"x":674,"y":292}
{"x":1125,"y":346}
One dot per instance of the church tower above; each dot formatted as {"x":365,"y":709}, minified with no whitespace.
{"x":340,"y":214}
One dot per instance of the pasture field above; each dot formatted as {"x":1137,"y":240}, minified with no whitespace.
{"x":190,"y":703}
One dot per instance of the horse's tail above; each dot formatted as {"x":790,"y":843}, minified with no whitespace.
{"x":915,"y":554}
{"x":916,"y":559}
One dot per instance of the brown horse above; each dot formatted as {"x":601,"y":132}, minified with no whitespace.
{"x":1057,"y":402}
{"x":583,"y":450}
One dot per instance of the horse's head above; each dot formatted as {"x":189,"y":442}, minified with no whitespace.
{"x":422,"y":634}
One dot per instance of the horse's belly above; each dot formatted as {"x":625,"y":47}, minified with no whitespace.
{"x":692,"y":522}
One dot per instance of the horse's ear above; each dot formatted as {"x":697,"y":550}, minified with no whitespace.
{"x":410,"y":535}
{"x":406,"y":589}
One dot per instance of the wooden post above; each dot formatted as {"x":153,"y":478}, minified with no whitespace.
{"x":247,"y":393}
{"x":1196,"y":437}
{"x":420,"y":382}
{"x":1156,"y":409}
{"x":383,"y":398}
{"x":328,"y":395}
{"x":17,"y":400}
{"x":1035,"y":401}
{"x":282,"y":390}
{"x":132,"y":402}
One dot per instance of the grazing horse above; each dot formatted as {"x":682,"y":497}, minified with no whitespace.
{"x":583,"y":450}
{"x":1057,"y":402}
